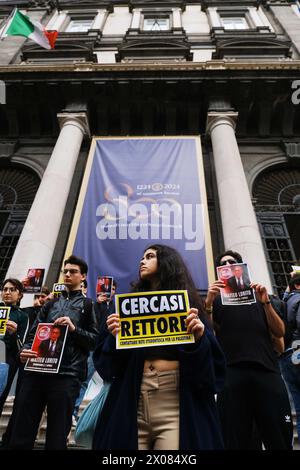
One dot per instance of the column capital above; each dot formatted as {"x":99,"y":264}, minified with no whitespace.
{"x":79,"y":120}
{"x":216,"y":118}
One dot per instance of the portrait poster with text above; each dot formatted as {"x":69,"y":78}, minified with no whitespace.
{"x":237,"y":282}
{"x":49,"y":342}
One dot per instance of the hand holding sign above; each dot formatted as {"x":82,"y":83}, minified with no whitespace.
{"x":113,"y":323}
{"x":27,"y":354}
{"x":11,"y":326}
{"x":261,"y":292}
{"x":65,"y":321}
{"x":214,"y":290}
{"x":194,"y":324}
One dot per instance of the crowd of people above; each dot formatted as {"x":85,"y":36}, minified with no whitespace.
{"x":229,"y":389}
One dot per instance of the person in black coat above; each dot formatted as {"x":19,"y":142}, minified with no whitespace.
{"x":254,"y":404}
{"x":182,"y":379}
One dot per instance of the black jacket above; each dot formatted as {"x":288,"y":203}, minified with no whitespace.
{"x":78,"y":343}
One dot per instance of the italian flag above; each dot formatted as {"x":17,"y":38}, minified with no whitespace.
{"x":21,"y":25}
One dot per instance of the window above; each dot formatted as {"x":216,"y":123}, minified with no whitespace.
{"x":156,"y":24}
{"x":235,"y":23}
{"x":79,"y":26}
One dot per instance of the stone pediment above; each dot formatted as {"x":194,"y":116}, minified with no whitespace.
{"x":62,"y":50}
{"x":251,"y":46}
{"x":154,"y":48}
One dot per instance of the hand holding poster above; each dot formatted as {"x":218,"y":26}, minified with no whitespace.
{"x":49,"y":343}
{"x":4,"y":316}
{"x":152,"y":319}
{"x":33,"y":281}
{"x":237,"y":282}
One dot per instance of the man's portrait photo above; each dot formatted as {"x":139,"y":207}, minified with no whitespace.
{"x":52,"y":346}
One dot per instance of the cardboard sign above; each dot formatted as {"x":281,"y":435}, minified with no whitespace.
{"x":4,"y":316}
{"x":153,"y":319}
{"x":49,"y":342}
{"x":237,"y":282}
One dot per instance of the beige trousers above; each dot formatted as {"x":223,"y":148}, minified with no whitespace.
{"x":158,"y":411}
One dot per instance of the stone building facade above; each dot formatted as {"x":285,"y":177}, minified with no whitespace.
{"x":227,"y":70}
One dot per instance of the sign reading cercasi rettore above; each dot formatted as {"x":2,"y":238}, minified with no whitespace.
{"x":152,"y":319}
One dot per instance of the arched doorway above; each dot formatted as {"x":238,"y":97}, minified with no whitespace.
{"x":276,"y":196}
{"x":17,"y":191}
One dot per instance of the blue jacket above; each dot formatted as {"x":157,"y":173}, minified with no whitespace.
{"x":293,"y":313}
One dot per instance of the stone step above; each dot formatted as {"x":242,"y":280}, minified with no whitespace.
{"x":40,"y":440}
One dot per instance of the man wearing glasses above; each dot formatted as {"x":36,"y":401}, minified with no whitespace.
{"x":254,"y":396}
{"x":57,"y":391}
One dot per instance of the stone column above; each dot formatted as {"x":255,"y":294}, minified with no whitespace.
{"x":240,"y":228}
{"x":37,"y":241}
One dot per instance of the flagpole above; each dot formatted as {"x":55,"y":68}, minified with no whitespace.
{"x":57,"y":5}
{"x":4,"y":29}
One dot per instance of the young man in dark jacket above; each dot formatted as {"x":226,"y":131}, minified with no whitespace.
{"x":57,"y":391}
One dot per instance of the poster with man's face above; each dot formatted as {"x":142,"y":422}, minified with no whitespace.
{"x":237,"y":282}
{"x":33,"y":282}
{"x":49,"y":343}
{"x":104,"y":286}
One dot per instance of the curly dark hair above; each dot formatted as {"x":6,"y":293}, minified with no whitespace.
{"x":173,"y":274}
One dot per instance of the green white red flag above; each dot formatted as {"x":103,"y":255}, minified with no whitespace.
{"x":19,"y":24}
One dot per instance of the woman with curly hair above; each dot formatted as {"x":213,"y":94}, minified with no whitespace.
{"x":162,"y":397}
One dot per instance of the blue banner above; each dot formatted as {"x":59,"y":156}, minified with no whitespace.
{"x":138,"y":192}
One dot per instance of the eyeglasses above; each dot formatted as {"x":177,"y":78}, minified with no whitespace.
{"x":9,"y":289}
{"x":228,"y":261}
{"x":71,"y":271}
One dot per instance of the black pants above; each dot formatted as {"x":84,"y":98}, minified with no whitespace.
{"x":255,"y":403}
{"x":37,"y":391}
